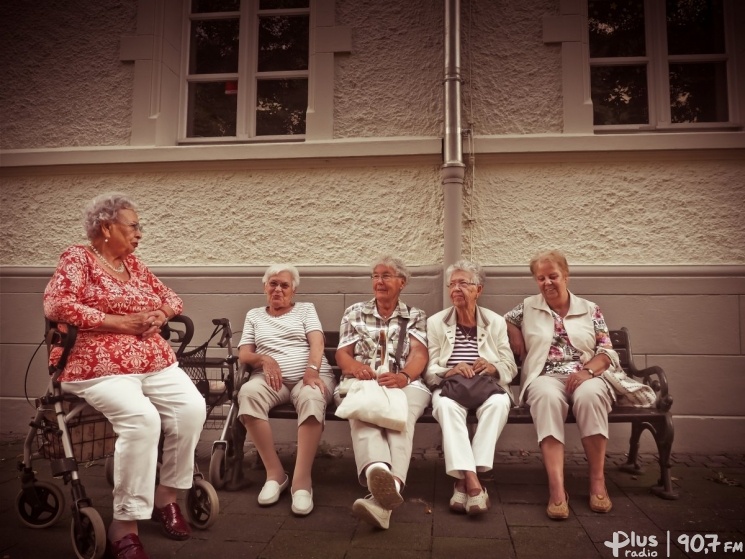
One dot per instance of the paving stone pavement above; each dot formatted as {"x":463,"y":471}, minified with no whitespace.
{"x":711,"y":505}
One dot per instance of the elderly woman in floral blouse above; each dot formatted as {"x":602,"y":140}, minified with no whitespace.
{"x":123,"y":368}
{"x":566,"y":347}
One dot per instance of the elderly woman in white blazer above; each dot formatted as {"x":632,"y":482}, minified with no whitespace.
{"x":468,"y":340}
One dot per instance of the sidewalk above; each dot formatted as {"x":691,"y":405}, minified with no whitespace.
{"x":711,"y":503}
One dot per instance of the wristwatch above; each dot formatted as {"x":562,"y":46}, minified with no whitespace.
{"x":313,"y":367}
{"x":592,"y":373}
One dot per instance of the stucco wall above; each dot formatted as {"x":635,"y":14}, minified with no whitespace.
{"x":62,"y":81}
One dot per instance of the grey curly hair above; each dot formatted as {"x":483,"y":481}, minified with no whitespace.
{"x":104,"y":209}
{"x":392,"y":262}
{"x":471,"y":268}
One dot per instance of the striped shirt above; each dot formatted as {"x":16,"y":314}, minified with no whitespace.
{"x":465,"y":349}
{"x":284,"y":338}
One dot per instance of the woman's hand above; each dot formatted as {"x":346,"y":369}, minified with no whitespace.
{"x":392,"y":380}
{"x":361,"y":371}
{"x":272,"y":372}
{"x":463,"y":369}
{"x":575,"y":379}
{"x":312,"y":378}
{"x":482,"y":366}
{"x":144,"y":323}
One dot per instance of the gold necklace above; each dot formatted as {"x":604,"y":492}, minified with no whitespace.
{"x":119,"y":270}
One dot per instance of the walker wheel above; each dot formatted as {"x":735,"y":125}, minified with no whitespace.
{"x":202,"y":504}
{"x":218,"y":468}
{"x":89,"y":535}
{"x":40,"y":506}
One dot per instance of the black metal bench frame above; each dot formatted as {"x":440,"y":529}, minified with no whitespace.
{"x":657,"y":420}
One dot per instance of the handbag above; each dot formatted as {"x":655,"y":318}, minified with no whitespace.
{"x":367,"y":401}
{"x":470,"y":392}
{"x":630,"y":392}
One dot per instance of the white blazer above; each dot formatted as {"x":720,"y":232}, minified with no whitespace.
{"x":493,"y":345}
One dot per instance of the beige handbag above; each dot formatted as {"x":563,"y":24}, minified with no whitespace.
{"x":367,"y":401}
{"x":631,"y":393}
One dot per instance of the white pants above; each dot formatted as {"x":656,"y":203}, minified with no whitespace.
{"x":139,"y":407}
{"x":378,"y":444}
{"x":549,"y":404}
{"x":462,"y":454}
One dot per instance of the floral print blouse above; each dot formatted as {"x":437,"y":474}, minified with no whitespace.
{"x":81,"y":293}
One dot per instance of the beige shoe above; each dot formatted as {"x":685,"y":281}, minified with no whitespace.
{"x":382,"y":485}
{"x":458,"y":501}
{"x":600,"y":503}
{"x":478,"y":504}
{"x":559,"y":511}
{"x":369,"y":510}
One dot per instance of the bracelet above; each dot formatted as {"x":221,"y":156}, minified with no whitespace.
{"x":408,"y":378}
{"x":592,"y":373}
{"x":313,"y":367}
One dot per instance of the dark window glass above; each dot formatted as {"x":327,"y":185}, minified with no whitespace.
{"x":616,"y":28}
{"x":207,"y":6}
{"x":619,"y":94}
{"x":281,"y":106}
{"x":698,"y":92}
{"x":214,"y":46}
{"x":212,"y":110}
{"x":283,"y":43}
{"x":283,"y":4}
{"x":695,"y":27}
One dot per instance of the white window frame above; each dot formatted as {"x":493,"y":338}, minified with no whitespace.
{"x":658,"y":83}
{"x":248,"y":49}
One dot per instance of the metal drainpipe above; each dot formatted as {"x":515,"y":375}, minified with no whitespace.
{"x":453,"y":169}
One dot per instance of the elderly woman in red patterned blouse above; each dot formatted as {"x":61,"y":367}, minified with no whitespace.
{"x":123,"y":367}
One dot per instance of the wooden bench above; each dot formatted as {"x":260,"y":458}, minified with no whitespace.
{"x":657,"y":420}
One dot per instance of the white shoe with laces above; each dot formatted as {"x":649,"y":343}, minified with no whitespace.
{"x":369,"y":510}
{"x":382,"y":485}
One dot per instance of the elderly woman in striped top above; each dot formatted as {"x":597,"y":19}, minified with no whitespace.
{"x":469,"y":340}
{"x":283,"y":343}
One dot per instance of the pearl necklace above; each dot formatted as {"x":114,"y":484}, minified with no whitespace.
{"x":119,"y":270}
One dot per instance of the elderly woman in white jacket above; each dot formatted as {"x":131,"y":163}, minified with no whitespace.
{"x":565,"y":345}
{"x":469,"y":340}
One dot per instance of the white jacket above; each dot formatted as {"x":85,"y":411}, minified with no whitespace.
{"x":493,"y":345}
{"x":538,"y":333}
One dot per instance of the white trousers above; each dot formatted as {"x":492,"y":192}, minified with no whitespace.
{"x":462,"y":454}
{"x":139,"y":407}
{"x":378,"y":444}
{"x":549,"y":404}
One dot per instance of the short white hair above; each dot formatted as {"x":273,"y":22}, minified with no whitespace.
{"x":392,"y":262}
{"x":104,"y":208}
{"x":275,"y":269}
{"x":471,"y":268}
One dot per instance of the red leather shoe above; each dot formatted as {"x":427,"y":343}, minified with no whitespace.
{"x":129,"y":547}
{"x":172,"y":521}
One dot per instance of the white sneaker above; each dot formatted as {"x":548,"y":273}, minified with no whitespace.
{"x":369,"y":510}
{"x":382,"y":485}
{"x":302,"y":502}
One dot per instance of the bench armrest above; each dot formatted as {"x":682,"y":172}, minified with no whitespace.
{"x":655,"y":377}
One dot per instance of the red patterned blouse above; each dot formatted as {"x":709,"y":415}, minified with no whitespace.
{"x":82,"y":293}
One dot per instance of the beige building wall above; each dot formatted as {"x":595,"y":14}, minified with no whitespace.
{"x":651,"y":223}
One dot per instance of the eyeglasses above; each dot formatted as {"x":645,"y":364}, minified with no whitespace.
{"x":460,"y":284}
{"x":133,"y":226}
{"x":384,"y":277}
{"x":275,"y":284}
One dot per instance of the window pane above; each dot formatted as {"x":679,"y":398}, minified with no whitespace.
{"x":616,"y":28}
{"x":695,"y":27}
{"x":286,"y":4}
{"x":698,"y":92}
{"x":214,"y":46}
{"x":207,"y":6}
{"x":283,"y":43}
{"x":281,"y":107}
{"x":212,"y":110}
{"x":619,"y":94}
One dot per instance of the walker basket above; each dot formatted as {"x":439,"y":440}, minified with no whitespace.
{"x":194,"y":363}
{"x":91,"y":435}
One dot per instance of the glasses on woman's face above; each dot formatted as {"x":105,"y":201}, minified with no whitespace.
{"x":460,"y":284}
{"x":283,"y":285}
{"x":133,"y":226}
{"x":384,"y":277}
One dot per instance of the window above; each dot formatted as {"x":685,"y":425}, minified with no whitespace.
{"x":660,"y":64}
{"x":247,"y":70}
